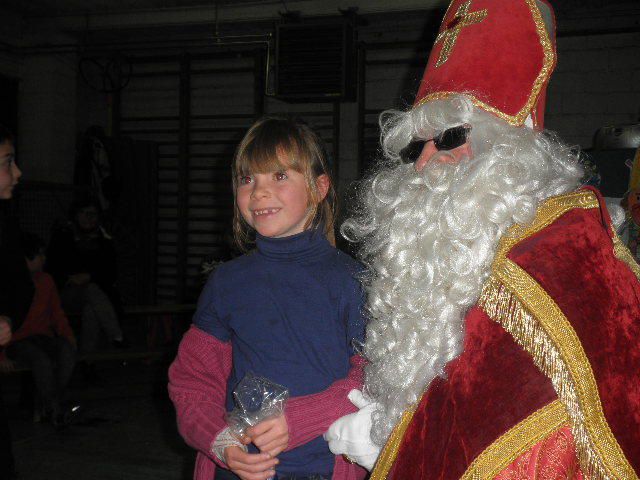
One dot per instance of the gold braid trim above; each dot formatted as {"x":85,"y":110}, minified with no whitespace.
{"x":541,"y":79}
{"x":623,"y":254}
{"x":519,"y":439}
{"x":390,"y":450}
{"x":514,"y":299}
{"x":552,"y":209}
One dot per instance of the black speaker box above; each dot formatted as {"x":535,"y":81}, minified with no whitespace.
{"x":316,"y":62}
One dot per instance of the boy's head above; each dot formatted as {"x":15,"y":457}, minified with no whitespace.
{"x":33,"y":249}
{"x":85,"y":213}
{"x":9,"y":171}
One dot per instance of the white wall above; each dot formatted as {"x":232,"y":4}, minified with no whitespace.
{"x":47,"y":99}
{"x":10,"y":64}
{"x":47,"y":117}
{"x":92,"y":107}
{"x":10,"y":59}
{"x":596,"y":83}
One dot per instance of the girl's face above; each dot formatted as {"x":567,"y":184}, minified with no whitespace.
{"x":275,"y":204}
{"x":9,"y":171}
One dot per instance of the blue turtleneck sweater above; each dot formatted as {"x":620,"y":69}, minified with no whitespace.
{"x":291,"y":309}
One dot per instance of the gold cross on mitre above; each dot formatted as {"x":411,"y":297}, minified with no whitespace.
{"x":461,"y":19}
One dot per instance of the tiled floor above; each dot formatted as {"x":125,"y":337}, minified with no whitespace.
{"x":126,"y":431}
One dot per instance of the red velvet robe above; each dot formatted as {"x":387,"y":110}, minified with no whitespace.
{"x":551,"y":347}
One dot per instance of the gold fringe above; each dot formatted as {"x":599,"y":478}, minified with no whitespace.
{"x":519,"y":439}
{"x":540,"y":327}
{"x":516,"y":301}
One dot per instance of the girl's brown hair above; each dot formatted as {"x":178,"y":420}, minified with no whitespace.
{"x":262,"y":150}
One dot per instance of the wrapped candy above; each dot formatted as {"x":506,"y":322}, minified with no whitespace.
{"x":256,"y":399}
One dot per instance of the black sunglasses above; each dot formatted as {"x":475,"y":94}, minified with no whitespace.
{"x":448,"y":140}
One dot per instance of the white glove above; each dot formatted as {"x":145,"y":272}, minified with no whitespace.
{"x":350,"y":435}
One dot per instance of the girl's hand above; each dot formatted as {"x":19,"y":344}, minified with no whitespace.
{"x":250,"y":466}
{"x":270,"y":436}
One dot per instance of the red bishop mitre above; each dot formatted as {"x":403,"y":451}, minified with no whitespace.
{"x":498,"y":52}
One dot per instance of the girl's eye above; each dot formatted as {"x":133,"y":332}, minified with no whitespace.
{"x":244,"y":179}
{"x":281,"y":176}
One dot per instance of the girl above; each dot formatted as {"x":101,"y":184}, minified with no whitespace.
{"x":288,"y":311}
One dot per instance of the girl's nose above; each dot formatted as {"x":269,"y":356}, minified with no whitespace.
{"x":260,"y":189}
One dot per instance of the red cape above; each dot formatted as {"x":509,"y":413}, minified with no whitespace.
{"x":552,"y":342}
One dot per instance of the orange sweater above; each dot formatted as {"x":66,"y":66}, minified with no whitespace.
{"x":45,"y":316}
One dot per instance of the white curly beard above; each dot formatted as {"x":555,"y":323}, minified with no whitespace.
{"x":429,"y":239}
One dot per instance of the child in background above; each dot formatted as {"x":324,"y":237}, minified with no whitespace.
{"x":82,"y":259}
{"x":45,"y":338}
{"x":288,"y":311}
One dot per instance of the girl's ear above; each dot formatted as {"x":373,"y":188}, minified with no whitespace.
{"x":323,"y":182}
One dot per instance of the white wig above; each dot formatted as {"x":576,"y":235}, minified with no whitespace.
{"x":429,"y":238}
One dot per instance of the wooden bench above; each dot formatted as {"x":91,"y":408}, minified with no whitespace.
{"x":163,"y":315}
{"x":10,"y":367}
{"x":151,"y":351}
{"x":134,"y":310}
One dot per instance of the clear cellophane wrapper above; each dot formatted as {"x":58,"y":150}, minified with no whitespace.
{"x":256,"y":399}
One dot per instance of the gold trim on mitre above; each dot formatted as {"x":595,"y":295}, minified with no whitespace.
{"x":449,"y":36}
{"x":516,"y":301}
{"x":543,"y":76}
{"x":518,"y":440}
{"x":390,"y":451}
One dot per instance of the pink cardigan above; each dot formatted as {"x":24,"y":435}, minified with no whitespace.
{"x":197,"y":387}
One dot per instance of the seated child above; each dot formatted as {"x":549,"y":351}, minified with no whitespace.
{"x":82,"y":260}
{"x":45,"y":339}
